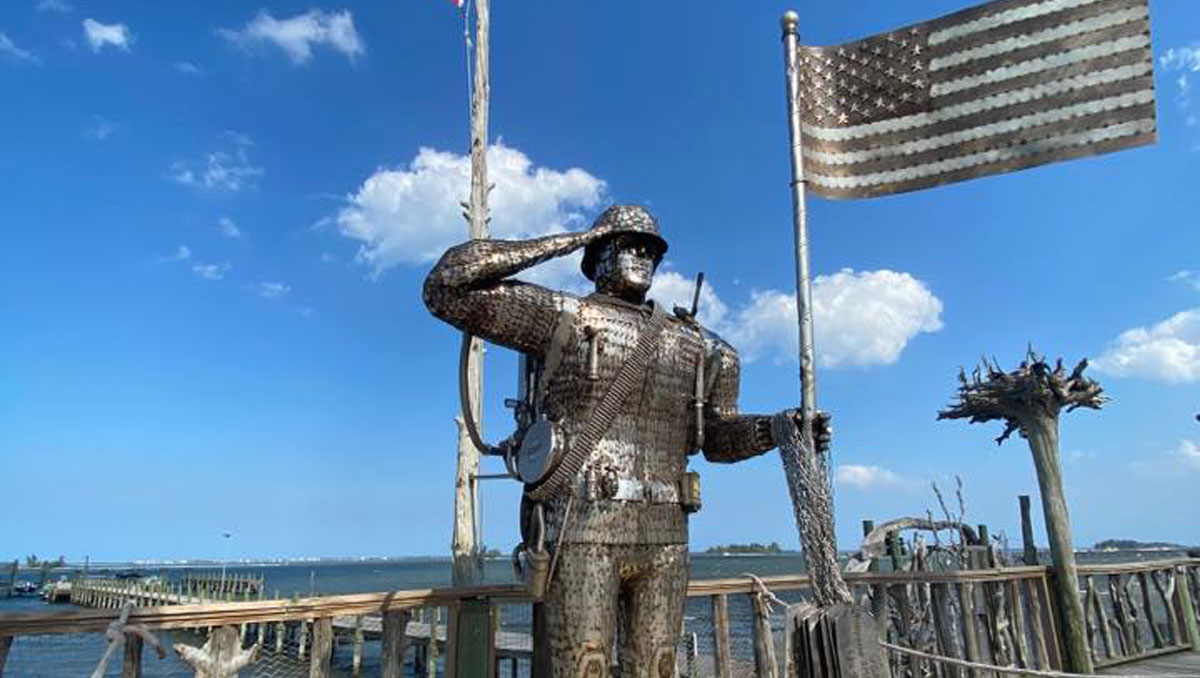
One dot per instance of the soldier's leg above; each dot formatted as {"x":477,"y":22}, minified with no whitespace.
{"x":581,"y":610}
{"x":655,"y":611}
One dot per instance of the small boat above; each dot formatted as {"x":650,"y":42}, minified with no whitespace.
{"x":25,"y":587}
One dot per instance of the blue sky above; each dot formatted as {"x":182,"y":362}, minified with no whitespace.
{"x":217,"y":216}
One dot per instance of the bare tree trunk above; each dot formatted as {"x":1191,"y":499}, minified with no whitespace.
{"x":467,"y":565}
{"x":1042,"y":432}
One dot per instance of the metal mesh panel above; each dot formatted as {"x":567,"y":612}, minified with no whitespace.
{"x":514,"y":640}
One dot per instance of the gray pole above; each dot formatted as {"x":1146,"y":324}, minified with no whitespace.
{"x":808,"y":386}
{"x":807,"y":470}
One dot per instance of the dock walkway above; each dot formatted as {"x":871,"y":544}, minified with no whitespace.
{"x":1176,"y":663}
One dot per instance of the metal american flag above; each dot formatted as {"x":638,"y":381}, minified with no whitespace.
{"x":996,"y":88}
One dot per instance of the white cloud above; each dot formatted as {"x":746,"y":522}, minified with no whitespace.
{"x":672,"y":289}
{"x":228,"y":169}
{"x":7,"y":46}
{"x":188,"y":68}
{"x":212,"y":271}
{"x":1188,"y":452}
{"x":229,"y":228}
{"x":862,"y":477}
{"x":54,"y":6}
{"x":297,"y":36}
{"x":101,"y":35}
{"x":101,"y":129}
{"x":182,"y":253}
{"x":1181,"y":59}
{"x":1167,"y":351}
{"x":859,"y":318}
{"x":412,"y":215}
{"x":1186,"y":60}
{"x":272,"y":290}
{"x":1189,"y":278}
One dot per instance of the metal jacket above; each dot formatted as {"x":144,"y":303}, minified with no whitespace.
{"x":632,"y":476}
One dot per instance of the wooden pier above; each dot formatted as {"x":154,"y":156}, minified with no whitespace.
{"x":1140,"y":616}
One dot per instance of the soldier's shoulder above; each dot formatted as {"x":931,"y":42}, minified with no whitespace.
{"x":717,"y":345}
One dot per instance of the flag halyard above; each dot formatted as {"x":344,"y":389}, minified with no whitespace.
{"x":996,"y":88}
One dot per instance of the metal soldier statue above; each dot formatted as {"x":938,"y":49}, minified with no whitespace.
{"x":622,"y":394}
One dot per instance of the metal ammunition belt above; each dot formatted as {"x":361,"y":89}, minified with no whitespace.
{"x":606,"y":411}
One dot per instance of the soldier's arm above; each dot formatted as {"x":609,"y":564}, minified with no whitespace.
{"x":730,"y":436}
{"x":468,"y":289}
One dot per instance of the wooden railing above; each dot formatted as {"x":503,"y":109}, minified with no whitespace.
{"x":1140,"y":610}
{"x":1002,"y":616}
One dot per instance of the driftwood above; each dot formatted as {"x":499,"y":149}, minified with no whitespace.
{"x":874,"y":544}
{"x":1029,"y":400}
{"x":221,"y":657}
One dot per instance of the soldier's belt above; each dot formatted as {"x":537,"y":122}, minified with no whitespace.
{"x":632,"y":489}
{"x":686,"y":492}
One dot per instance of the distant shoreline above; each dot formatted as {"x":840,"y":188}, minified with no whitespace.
{"x":172,"y":564}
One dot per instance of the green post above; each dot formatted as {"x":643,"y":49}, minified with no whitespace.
{"x":1183,"y":588}
{"x":472,"y":627}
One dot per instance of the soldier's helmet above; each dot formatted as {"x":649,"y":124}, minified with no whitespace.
{"x":627,"y":220}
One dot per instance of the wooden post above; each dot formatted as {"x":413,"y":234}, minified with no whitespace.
{"x":1186,"y":608}
{"x":966,"y":600}
{"x":1030,"y":556}
{"x":764,"y":643}
{"x":721,"y":656}
{"x":470,"y":637}
{"x":879,"y":603}
{"x":467,"y":563}
{"x":356,"y":662}
{"x":431,"y":650}
{"x":985,"y":542}
{"x":395,"y":624}
{"x":132,"y":667}
{"x":1149,"y":611}
{"x":5,"y":644}
{"x":303,"y":639}
{"x":540,"y":661}
{"x":1018,"y":620}
{"x":945,"y":630}
{"x":322,"y":648}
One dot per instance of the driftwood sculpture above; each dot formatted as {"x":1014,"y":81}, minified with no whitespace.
{"x":1029,"y":400}
{"x":221,"y":657}
{"x":874,"y":545}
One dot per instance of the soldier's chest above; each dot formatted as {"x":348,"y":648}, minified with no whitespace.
{"x":603,"y":342}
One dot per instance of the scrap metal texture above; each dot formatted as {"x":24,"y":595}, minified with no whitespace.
{"x":618,"y":528}
{"x":1000,"y":87}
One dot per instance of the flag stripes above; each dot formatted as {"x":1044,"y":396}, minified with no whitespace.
{"x":1004,"y":86}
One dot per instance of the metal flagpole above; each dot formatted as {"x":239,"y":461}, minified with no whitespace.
{"x":808,"y":386}
{"x":806,"y":467}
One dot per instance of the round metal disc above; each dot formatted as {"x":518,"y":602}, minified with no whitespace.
{"x":538,"y":453}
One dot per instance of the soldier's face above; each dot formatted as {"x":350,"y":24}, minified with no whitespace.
{"x":626,"y":265}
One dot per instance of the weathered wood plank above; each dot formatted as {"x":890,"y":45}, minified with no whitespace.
{"x":1187,"y":609}
{"x":131,"y":667}
{"x":392,"y":653}
{"x":764,"y":642}
{"x":966,"y":600}
{"x":322,"y":649}
{"x":1036,"y":624}
{"x":721,"y":656}
{"x":356,"y":660}
{"x":1148,"y":610}
{"x":943,"y":623}
{"x":1020,"y":631}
